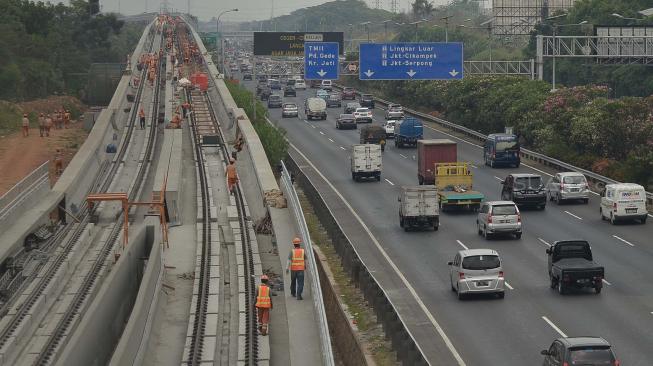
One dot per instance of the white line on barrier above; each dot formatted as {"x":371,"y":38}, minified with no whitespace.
{"x":572,"y":215}
{"x":403,"y":278}
{"x":386,"y":179}
{"x":554,"y":326}
{"x":623,"y":240}
{"x":462,"y":245}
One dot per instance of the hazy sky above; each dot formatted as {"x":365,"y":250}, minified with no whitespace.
{"x":248,"y":9}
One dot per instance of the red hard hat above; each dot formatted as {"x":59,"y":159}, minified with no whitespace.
{"x":297,"y":241}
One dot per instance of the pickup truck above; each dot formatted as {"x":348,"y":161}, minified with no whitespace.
{"x":571,"y":265}
{"x":418,"y":207}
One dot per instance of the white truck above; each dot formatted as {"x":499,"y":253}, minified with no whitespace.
{"x":315,"y":108}
{"x":418,"y":207}
{"x":365,"y":161}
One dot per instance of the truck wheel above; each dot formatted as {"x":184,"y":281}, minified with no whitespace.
{"x":554,"y":283}
{"x":420,"y":179}
{"x":401,"y":221}
{"x":561,"y":288}
{"x":406,"y":227}
{"x":586,"y":200}
{"x":643,"y":219}
{"x":598,"y":289}
{"x":436,"y":226}
{"x":461,"y":296}
{"x":353,"y":176}
{"x":378,"y":178}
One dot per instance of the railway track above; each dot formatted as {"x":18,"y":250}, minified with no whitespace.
{"x":204,"y":122}
{"x":73,"y":232}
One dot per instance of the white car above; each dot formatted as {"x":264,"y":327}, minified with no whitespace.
{"x":389,"y":127}
{"x":362,"y":115}
{"x":394,"y":111}
{"x":477,"y":271}
{"x":623,"y":201}
{"x":300,"y":84}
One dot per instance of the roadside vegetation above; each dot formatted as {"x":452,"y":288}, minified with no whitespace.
{"x":273,"y":138}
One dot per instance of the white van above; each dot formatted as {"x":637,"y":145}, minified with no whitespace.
{"x":326,"y":85}
{"x":623,"y":201}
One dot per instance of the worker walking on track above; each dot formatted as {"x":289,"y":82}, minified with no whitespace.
{"x":297,"y":266}
{"x":25,"y":125}
{"x":58,"y":163}
{"x":141,"y":117}
{"x":263,"y":305}
{"x":232,"y":176}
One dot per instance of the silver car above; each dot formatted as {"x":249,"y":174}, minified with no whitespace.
{"x":568,"y":186}
{"x":499,"y":217}
{"x":476,"y":271}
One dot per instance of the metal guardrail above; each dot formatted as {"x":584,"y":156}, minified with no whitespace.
{"x":19,"y":188}
{"x":526,"y":153}
{"x":320,"y":313}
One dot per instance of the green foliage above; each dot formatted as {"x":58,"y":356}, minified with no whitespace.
{"x":44,"y":46}
{"x":273,"y":138}
{"x":10,"y":117}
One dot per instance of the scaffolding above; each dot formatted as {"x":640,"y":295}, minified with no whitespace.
{"x":519,"y":17}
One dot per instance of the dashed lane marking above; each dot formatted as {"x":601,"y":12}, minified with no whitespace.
{"x":330,"y":139}
{"x":404,"y":156}
{"x":555,"y":327}
{"x":462,"y":245}
{"x":623,"y":240}
{"x":572,"y":215}
{"x":544,"y":242}
{"x":321,"y":133}
{"x":508,"y":285}
{"x":342,"y":148}
{"x":386,"y":179}
{"x":497,"y":178}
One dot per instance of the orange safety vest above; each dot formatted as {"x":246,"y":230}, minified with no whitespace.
{"x":263,"y":299}
{"x":297,"y":261}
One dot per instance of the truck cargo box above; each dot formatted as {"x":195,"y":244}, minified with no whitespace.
{"x":365,"y":161}
{"x":418,"y":207}
{"x":430,"y":152}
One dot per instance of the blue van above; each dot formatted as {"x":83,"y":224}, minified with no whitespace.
{"x":501,"y":149}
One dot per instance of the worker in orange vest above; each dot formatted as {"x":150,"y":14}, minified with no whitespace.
{"x":263,"y":305}
{"x":232,"y":175}
{"x":41,"y":124}
{"x":141,"y":116}
{"x":66,"y":118}
{"x":297,"y":266}
{"x":58,"y":162}
{"x":48,"y":125}
{"x":25,"y":125}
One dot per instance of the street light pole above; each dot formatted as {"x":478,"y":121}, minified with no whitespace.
{"x":446,"y":27}
{"x":217,"y":30}
{"x":555,"y":48}
{"x":367,"y":28}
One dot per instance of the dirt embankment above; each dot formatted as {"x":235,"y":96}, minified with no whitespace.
{"x":20,"y":155}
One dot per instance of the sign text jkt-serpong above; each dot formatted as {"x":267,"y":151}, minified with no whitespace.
{"x":291,"y":43}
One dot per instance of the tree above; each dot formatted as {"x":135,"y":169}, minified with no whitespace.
{"x":422,"y":9}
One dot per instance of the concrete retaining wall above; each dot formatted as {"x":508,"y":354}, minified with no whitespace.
{"x":24,"y":195}
{"x":170,"y":166}
{"x":78,"y":177}
{"x":94,"y":340}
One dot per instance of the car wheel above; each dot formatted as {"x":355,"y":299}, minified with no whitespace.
{"x":517,"y":236}
{"x":561,"y":288}
{"x":401,"y":222}
{"x":501,"y":294}
{"x":491,"y":164}
{"x":478,"y":229}
{"x":643,"y":219}
{"x":337,"y":126}
{"x":598,"y":290}
{"x":353,"y":176}
{"x":451,"y":283}
{"x":601,"y":213}
{"x":558,"y":199}
{"x":554,"y":283}
{"x":486,"y":235}
{"x":612,"y":219}
{"x":461,"y":296}
{"x":406,"y":228}
{"x":542,"y":207}
{"x":586,"y":200}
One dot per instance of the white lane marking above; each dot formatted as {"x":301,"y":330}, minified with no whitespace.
{"x":623,"y":240}
{"x":312,"y":126}
{"x":544,"y":242}
{"x":403,"y":278}
{"x":462,"y":245}
{"x":331,"y":140}
{"x":305,"y":121}
{"x":404,"y":156}
{"x":497,"y":178}
{"x":473,"y":166}
{"x":572,"y":215}
{"x":606,"y":282}
{"x":554,"y":327}
{"x":386,"y":179}
{"x":321,"y":133}
{"x":508,"y":285}
{"x":342,"y":148}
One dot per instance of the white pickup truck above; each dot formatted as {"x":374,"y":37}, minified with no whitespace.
{"x":418,"y":207}
{"x":365,"y":161}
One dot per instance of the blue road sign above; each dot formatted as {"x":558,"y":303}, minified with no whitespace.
{"x":411,"y":61}
{"x":321,"y":60}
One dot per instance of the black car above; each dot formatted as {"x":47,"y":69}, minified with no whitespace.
{"x":289,"y":91}
{"x":579,"y":351}
{"x":275,"y":101}
{"x":346,"y":121}
{"x":524,"y":189}
{"x":247,"y":76}
{"x":367,"y":100}
{"x":265,"y":93}
{"x":350,"y":108}
{"x":290,"y":82}
{"x":262,"y":78}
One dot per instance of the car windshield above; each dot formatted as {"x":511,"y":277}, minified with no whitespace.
{"x":481,"y":262}
{"x":290,"y":106}
{"x":274,"y":97}
{"x":528,"y":182}
{"x":353,"y":105}
{"x":595,"y":356}
{"x":362,"y":110}
{"x":390,"y":124}
{"x":504,"y":143}
{"x":504,"y":210}
{"x":574,"y":179}
{"x":348,"y":89}
{"x":366,"y":96}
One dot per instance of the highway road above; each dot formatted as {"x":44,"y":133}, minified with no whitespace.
{"x":485,"y":330}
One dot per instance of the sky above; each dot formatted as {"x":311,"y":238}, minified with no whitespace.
{"x":248,"y":9}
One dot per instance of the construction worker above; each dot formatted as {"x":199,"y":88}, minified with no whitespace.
{"x":141,"y":116}
{"x":25,"y":125}
{"x":382,"y":143}
{"x":58,"y":162}
{"x":48,"y":125}
{"x":66,"y":118}
{"x":296,"y":265}
{"x":263,"y":305}
{"x":232,"y":176}
{"x":41,"y":124}
{"x":185,"y":107}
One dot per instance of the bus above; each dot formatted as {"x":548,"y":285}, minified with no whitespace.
{"x":501,"y":149}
